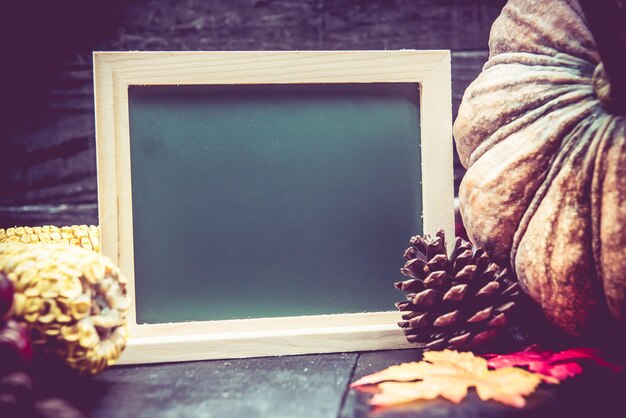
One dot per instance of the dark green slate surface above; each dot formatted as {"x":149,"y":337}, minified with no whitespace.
{"x":266,"y":201}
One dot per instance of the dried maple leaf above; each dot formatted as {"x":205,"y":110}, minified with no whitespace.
{"x":450,"y":374}
{"x":560,"y":365}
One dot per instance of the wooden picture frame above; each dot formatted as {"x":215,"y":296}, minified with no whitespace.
{"x":114,"y":72}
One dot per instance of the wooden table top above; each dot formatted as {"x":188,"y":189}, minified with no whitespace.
{"x":309,"y":386}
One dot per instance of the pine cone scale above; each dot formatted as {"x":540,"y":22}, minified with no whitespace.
{"x":447,"y":319}
{"x":481,"y":315}
{"x":498,"y":321}
{"x":459,"y":340}
{"x":456,"y":293}
{"x":437,"y":279}
{"x":428,"y":297}
{"x":489,"y":289}
{"x":413,"y":285}
{"x":436,"y":344}
{"x":466,"y":274}
{"x":506,"y":307}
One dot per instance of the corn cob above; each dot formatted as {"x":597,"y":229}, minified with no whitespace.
{"x":84,"y":236}
{"x":72,"y":301}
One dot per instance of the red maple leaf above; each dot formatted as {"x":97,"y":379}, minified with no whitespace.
{"x":560,"y":365}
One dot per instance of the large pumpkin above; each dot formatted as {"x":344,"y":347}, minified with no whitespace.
{"x":545,"y":189}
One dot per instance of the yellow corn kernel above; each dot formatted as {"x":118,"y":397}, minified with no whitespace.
{"x":85,"y":236}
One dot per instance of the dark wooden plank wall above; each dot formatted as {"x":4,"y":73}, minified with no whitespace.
{"x":47,"y":148}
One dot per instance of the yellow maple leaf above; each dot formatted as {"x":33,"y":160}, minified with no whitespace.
{"x":450,"y":374}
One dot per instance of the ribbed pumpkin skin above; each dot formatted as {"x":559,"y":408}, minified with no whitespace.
{"x":545,"y":188}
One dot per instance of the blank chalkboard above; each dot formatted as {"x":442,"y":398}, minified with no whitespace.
{"x":272,"y":200}
{"x":259,"y":202}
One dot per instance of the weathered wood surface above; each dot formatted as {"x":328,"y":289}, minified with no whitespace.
{"x":355,"y":403}
{"x":310,"y":386}
{"x":278,"y":387}
{"x":47,"y":141}
{"x":595,"y":393}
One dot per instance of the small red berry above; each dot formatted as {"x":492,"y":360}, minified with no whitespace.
{"x":6,"y":294}
{"x":15,"y":348}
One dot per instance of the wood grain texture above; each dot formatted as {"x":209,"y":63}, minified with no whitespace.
{"x":50,"y":214}
{"x":355,"y":403}
{"x":116,"y":71}
{"x":50,"y":118}
{"x":279,"y":387}
{"x":312,"y":386}
{"x":380,"y":24}
{"x":315,"y":339}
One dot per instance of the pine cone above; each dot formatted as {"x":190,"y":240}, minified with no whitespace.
{"x":457,"y":302}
